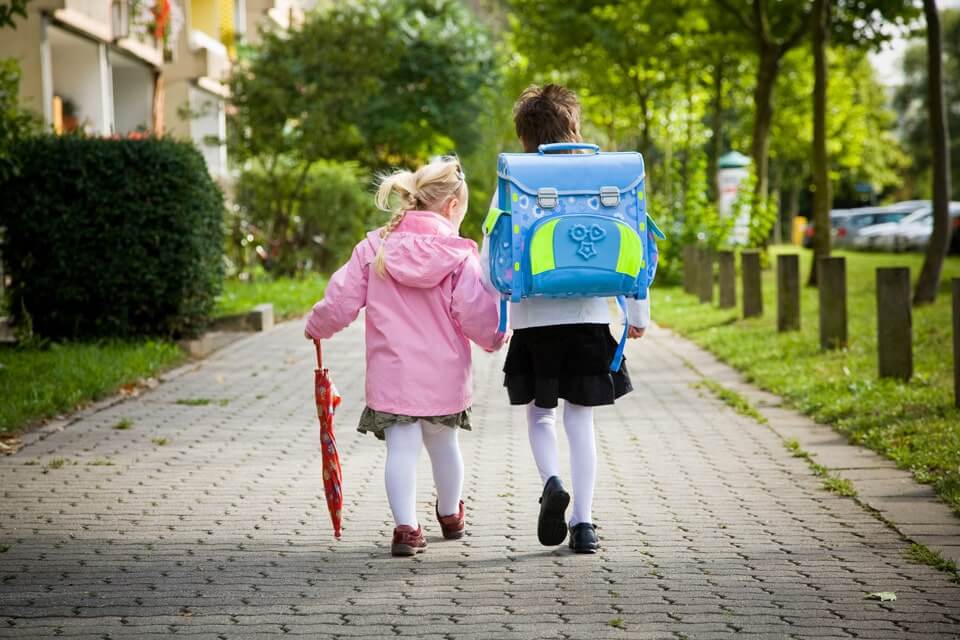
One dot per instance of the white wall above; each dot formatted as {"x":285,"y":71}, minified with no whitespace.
{"x":208,"y":128}
{"x":78,"y":76}
{"x":132,"y":94}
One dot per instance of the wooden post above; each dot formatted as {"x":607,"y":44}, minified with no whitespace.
{"x":752,"y":283}
{"x":832,"y":283}
{"x":728,"y":280}
{"x":956,"y":342}
{"x":788,"y":292}
{"x":690,"y":268}
{"x":705,"y":273}
{"x":894,"y":323}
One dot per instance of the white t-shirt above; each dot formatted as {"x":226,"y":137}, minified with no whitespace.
{"x":544,"y":312}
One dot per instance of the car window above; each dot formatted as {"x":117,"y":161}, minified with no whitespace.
{"x":889,"y":217}
{"x":864,"y":220}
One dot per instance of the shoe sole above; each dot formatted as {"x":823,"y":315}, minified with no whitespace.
{"x":585,"y":549}
{"x":405,"y":550}
{"x":455,"y":535}
{"x":552,"y":523}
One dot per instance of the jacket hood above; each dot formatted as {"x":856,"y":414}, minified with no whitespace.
{"x":424,"y":249}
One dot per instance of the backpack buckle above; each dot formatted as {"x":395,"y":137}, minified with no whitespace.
{"x":547,"y":197}
{"x":609,"y":196}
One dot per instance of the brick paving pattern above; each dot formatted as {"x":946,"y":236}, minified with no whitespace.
{"x":208,"y":522}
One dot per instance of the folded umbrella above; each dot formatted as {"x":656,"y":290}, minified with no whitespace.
{"x":327,"y":402}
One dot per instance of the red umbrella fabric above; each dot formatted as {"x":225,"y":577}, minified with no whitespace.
{"x":327,"y":402}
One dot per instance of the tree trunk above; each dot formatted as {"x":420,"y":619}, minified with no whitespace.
{"x":767,"y":70}
{"x":717,"y":146}
{"x":821,"y":175}
{"x":688,"y":143}
{"x":929,"y":281}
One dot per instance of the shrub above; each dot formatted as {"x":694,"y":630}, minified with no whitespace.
{"x":16,"y":123}
{"x":111,"y":237}
{"x":300,"y":220}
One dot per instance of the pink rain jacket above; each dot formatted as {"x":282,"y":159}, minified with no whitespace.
{"x":418,"y":318}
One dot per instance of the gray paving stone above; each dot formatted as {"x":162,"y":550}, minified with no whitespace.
{"x":709,"y":527}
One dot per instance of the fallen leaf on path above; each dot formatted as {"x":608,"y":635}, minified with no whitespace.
{"x":10,"y":444}
{"x":882,"y":596}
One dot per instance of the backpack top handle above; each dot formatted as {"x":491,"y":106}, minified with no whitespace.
{"x":567,"y":146}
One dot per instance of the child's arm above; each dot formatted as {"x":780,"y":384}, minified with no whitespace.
{"x":638,"y":315}
{"x":476,"y":308}
{"x":345,"y":295}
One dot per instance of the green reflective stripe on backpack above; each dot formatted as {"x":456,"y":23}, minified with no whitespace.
{"x":630,"y":260}
{"x":491,"y":220}
{"x":541,"y":249}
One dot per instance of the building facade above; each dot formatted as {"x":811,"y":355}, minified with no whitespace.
{"x":91,"y":65}
{"x":118,"y":67}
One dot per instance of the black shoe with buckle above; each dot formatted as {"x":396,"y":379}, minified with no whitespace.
{"x":552,"y":523}
{"x":583,"y":538}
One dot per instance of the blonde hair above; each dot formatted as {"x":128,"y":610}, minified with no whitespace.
{"x":428,"y":188}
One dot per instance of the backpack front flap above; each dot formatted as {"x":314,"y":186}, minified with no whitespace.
{"x":577,"y":225}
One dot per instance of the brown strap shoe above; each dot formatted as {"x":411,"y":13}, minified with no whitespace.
{"x":452,"y":526}
{"x":408,"y":541}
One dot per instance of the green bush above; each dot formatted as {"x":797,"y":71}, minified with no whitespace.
{"x":111,"y":237}
{"x":16,"y":122}
{"x":301,"y":221}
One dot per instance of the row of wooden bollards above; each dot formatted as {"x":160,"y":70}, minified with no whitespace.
{"x":894,"y":311}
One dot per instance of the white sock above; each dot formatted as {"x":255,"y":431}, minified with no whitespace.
{"x":400,"y":472}
{"x":578,"y":423}
{"x":443,"y":447}
{"x":541,"y":429}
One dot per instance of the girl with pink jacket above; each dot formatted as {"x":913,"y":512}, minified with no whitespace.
{"x":423,"y":290}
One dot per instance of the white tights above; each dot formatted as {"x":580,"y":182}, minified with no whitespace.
{"x":400,"y":473}
{"x":578,"y":423}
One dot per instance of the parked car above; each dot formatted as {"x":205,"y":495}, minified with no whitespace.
{"x":910,"y":233}
{"x":846,"y":224}
{"x":916,"y":235}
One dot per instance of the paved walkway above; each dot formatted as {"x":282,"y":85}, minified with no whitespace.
{"x":710,"y":527}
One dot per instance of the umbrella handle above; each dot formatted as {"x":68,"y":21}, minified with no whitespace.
{"x":316,"y":343}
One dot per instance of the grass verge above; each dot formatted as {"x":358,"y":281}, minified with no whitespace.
{"x":913,"y":424}
{"x":290,"y":296}
{"x":41,"y":382}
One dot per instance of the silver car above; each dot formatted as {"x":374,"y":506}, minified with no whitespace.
{"x":846,"y":224}
{"x":911,"y":233}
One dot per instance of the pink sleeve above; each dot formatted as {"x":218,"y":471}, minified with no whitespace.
{"x":476,"y":308}
{"x":345,"y":295}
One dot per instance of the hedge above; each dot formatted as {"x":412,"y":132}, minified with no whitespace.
{"x":111,"y":237}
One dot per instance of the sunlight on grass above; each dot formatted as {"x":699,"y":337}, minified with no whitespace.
{"x":290,"y":296}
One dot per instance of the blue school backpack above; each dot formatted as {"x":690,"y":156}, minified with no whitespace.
{"x":571,"y":225}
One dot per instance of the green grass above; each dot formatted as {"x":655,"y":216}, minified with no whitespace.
{"x":194,"y":402}
{"x":40,"y":382}
{"x":160,"y":441}
{"x":914,"y":424}
{"x":290,"y":296}
{"x":733,"y":399}
{"x":123,"y":424}
{"x":923,"y":555}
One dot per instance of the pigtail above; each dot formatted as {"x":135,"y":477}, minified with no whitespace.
{"x":403,"y":184}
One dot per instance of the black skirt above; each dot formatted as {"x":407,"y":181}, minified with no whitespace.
{"x":570,"y":361}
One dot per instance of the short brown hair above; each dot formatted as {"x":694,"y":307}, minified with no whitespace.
{"x":546,"y":114}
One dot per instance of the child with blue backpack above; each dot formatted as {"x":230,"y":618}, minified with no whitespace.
{"x":561,"y":346}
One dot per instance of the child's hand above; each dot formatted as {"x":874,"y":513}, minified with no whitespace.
{"x":636,"y":332}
